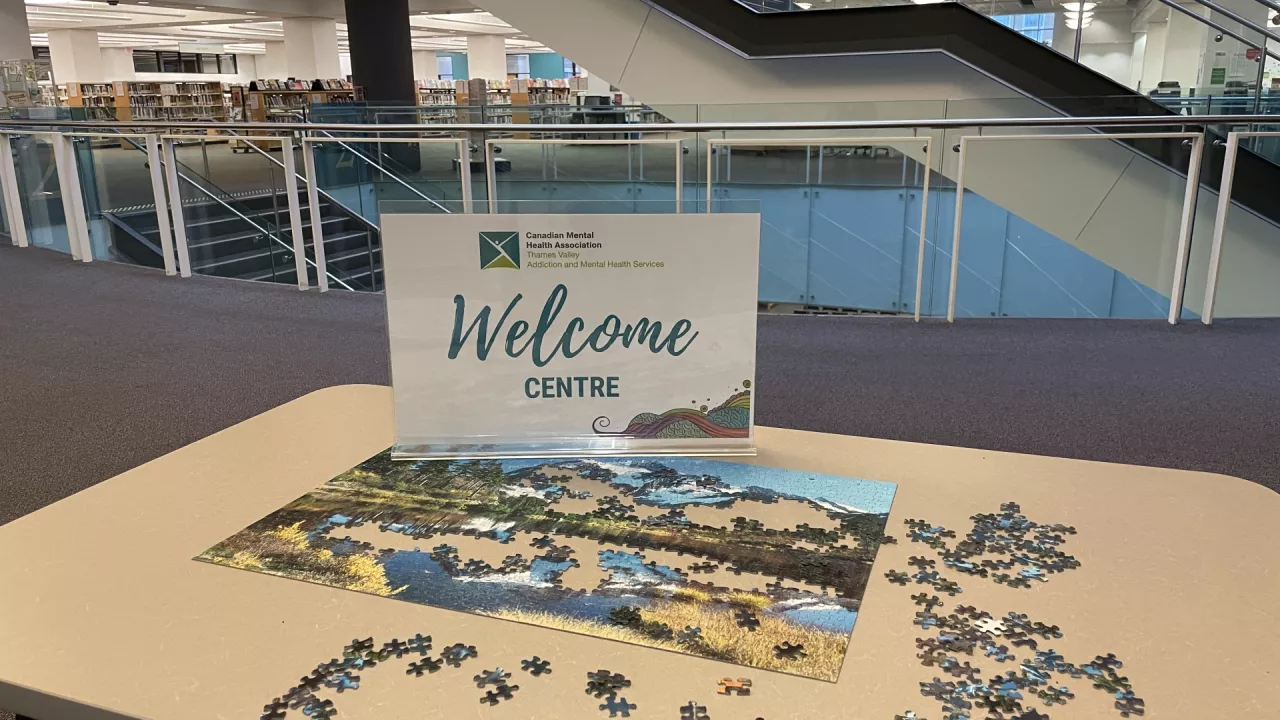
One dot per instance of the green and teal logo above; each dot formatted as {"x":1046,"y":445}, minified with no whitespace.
{"x":499,"y":250}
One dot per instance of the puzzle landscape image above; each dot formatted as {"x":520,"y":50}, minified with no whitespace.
{"x":745,"y":564}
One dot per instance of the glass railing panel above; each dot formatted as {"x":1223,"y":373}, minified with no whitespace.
{"x":119,"y":201}
{"x":585,"y":168}
{"x":1072,"y":227}
{"x":1250,"y":257}
{"x":235,"y":209}
{"x":40,"y":192}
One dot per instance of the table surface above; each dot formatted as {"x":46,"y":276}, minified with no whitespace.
{"x":105,"y":614}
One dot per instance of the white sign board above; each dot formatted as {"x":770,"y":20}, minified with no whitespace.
{"x":572,"y":334}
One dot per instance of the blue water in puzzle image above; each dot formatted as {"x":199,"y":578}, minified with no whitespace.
{"x":703,"y":557}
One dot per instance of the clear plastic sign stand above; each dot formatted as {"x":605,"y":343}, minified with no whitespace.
{"x":570,"y":329}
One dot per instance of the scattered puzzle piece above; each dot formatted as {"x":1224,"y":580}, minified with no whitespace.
{"x":618,"y":706}
{"x":491,"y":677}
{"x":502,"y":692}
{"x":456,"y":653}
{"x":729,"y":686}
{"x":694,"y":711}
{"x":425,"y":665}
{"x":747,"y":619}
{"x":536,"y":666}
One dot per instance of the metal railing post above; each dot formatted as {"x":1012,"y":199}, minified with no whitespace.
{"x":175,"y":203}
{"x":924,"y":216}
{"x":162,"y":207}
{"x":1189,"y":197}
{"x":12,"y":194}
{"x":317,"y":227}
{"x":295,"y":211}
{"x":490,"y":173}
{"x":464,"y":174}
{"x":1220,"y":228}
{"x":955,"y":231}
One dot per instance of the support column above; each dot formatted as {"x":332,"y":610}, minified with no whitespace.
{"x":76,"y":56}
{"x":117,"y":64}
{"x":15,"y":34}
{"x":425,"y":65}
{"x":273,"y":65}
{"x":311,"y":48}
{"x":381,"y":51}
{"x":487,"y":57}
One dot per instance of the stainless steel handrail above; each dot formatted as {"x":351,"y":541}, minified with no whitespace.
{"x":214,"y":196}
{"x":922,"y":123}
{"x":325,"y":195}
{"x":353,"y":151}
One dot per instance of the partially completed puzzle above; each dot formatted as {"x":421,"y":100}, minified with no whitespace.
{"x":753,"y":565}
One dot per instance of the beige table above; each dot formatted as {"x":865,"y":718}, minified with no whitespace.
{"x":104,"y":614}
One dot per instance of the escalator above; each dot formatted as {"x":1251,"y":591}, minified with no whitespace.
{"x":973,"y":40}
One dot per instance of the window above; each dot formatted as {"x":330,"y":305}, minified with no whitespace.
{"x":172,"y":62}
{"x":517,"y":67}
{"x":146,"y":61}
{"x":1036,"y":26}
{"x":444,"y":64}
{"x":570,"y":68}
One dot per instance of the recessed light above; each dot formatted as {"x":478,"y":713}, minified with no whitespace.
{"x":143,"y":2}
{"x":251,"y":12}
{"x":204,"y":22}
{"x":478,"y":10}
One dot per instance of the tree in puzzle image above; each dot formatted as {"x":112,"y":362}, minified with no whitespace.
{"x":703,"y":557}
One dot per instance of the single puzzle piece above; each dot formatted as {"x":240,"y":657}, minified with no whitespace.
{"x":618,"y":706}
{"x":419,"y":644}
{"x":787,"y":651}
{"x":897,"y":578}
{"x":1128,"y":705}
{"x":949,"y":587}
{"x":396,"y":648}
{"x":602,"y":682}
{"x":1051,"y":696}
{"x":298,"y":698}
{"x":929,"y":602}
{"x":1032,"y":714}
{"x":423,"y":666}
{"x":274,"y":710}
{"x":999,"y":653}
{"x":925,"y":619}
{"x":689,"y":635}
{"x":989,"y":625}
{"x":491,"y":677}
{"x":694,"y":711}
{"x":358,"y":648}
{"x":456,"y":653}
{"x":343,"y":682}
{"x":318,"y":708}
{"x":502,"y":692}
{"x":536,"y":666}
{"x":729,"y":686}
{"x":908,"y":715}
{"x":746,"y":619}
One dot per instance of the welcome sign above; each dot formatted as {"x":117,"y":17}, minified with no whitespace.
{"x":571,"y":334}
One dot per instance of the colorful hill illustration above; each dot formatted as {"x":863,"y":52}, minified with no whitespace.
{"x":730,"y":419}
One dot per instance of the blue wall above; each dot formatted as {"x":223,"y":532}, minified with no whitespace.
{"x":460,"y":70}
{"x":547,"y":66}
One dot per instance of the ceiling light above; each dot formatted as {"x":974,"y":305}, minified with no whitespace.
{"x":251,"y":12}
{"x":1076,"y":6}
{"x":804,"y":5}
{"x":927,"y":2}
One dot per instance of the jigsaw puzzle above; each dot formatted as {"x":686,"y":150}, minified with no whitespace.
{"x":682,"y":542}
{"x":618,"y":706}
{"x":729,"y":686}
{"x":1034,"y":551}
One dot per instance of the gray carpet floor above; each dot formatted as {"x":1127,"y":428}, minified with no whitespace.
{"x":104,"y":367}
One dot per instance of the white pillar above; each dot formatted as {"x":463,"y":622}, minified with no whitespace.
{"x":426,"y":65}
{"x":15,"y":34}
{"x":1185,"y":47}
{"x":117,"y":64}
{"x":1153,"y":55}
{"x":272,"y":65}
{"x":76,"y":56}
{"x":311,"y":48}
{"x":487,"y":57}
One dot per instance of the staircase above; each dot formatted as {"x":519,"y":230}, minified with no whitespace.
{"x":225,"y":244}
